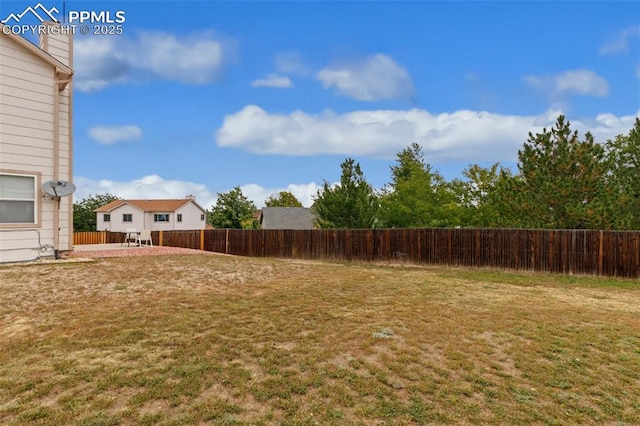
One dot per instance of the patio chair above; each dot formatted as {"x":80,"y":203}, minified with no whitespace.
{"x":130,"y":236}
{"x":144,"y":235}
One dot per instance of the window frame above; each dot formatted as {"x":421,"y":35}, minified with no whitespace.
{"x":156,"y":217}
{"x":106,"y":217}
{"x":37,"y":199}
{"x":178,"y":217}
{"x":125,"y":216}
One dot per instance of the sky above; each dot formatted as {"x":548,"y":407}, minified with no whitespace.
{"x":198,"y":97}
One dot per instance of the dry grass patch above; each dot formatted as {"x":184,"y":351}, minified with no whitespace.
{"x":208,"y":339}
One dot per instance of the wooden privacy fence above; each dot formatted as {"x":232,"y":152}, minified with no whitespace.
{"x":108,"y":237}
{"x":99,"y":237}
{"x":608,"y":253}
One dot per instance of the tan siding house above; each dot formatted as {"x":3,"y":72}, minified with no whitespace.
{"x":156,"y":215}
{"x":35,"y":144}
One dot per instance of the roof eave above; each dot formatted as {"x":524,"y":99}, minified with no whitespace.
{"x":61,"y":69}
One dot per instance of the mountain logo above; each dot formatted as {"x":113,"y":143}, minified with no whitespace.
{"x":39,"y":11}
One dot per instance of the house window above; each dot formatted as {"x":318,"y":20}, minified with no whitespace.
{"x":179,"y":218}
{"x":161,"y":217}
{"x":127,"y":217}
{"x":107,"y":217}
{"x":201,"y":217}
{"x":17,"y":199}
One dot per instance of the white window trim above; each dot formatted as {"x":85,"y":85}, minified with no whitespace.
{"x":155,"y":218}
{"x":37,"y":193}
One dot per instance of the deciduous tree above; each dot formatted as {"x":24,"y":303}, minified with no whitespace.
{"x":282,"y":199}
{"x":84,"y":215}
{"x":482,"y":194}
{"x":232,"y":210}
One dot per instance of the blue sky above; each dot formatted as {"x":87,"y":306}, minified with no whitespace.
{"x":196,"y":97}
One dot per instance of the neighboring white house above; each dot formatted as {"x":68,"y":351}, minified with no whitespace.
{"x":35,"y":144}
{"x":156,"y":215}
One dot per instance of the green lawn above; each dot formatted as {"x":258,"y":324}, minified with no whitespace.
{"x":214,"y":339}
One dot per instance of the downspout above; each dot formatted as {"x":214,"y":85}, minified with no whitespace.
{"x":70,"y":160}
{"x":58,"y":86}
{"x":70,"y":124}
{"x":56,"y":161}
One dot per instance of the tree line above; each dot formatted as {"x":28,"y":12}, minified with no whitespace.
{"x":562,"y":182}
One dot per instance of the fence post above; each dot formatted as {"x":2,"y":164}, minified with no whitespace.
{"x":600,"y":252}
{"x":160,"y":238}
{"x":202,"y":239}
{"x":551,"y":258}
{"x":478,"y":248}
{"x":226,"y":242}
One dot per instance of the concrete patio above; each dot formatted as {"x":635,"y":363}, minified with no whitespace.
{"x":118,"y":250}
{"x":112,"y":246}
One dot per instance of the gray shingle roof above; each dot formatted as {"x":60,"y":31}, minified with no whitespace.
{"x":286,"y":218}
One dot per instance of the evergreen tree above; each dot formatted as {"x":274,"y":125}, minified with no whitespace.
{"x":351,"y":204}
{"x":417,"y":197}
{"x":562,"y":181}
{"x":624,"y":182}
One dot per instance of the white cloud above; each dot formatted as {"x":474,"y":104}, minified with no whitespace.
{"x":109,"y":135}
{"x":577,"y":82}
{"x":621,"y":42}
{"x":98,"y":63}
{"x":373,"y":78}
{"x":195,"y":59}
{"x":155,"y":187}
{"x":291,"y":63}
{"x":148,"y":187}
{"x":273,"y":81}
{"x":465,"y":136}
{"x":606,"y":126}
{"x":103,"y":61}
{"x":303,"y":192}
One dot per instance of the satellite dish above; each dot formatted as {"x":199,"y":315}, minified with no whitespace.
{"x":58,"y":188}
